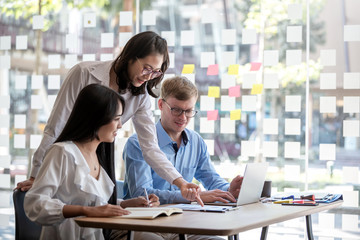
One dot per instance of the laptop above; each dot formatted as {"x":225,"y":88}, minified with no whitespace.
{"x":251,"y":187}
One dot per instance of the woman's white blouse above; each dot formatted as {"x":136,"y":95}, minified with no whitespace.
{"x":137,"y":108}
{"x":64,"y":179}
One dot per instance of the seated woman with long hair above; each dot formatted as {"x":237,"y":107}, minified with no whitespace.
{"x":73,"y":179}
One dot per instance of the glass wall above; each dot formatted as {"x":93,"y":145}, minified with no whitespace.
{"x":279,"y":81}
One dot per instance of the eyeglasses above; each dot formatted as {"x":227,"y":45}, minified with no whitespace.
{"x":147,"y":70}
{"x":178,"y":112}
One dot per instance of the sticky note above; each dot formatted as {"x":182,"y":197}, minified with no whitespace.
{"x":214,"y":91}
{"x":106,"y":57}
{"x":5,"y":203}
{"x":208,"y":15}
{"x":5,"y":62}
{"x":38,"y":22}
{"x":4,"y":121}
{"x":71,"y":41}
{"x":53,"y":82}
{"x":169,"y":37}
{"x":248,"y":36}
{"x":351,"y":128}
{"x":54,"y":61}
{"x":328,"y":57}
{"x":88,"y":57}
{"x":234,"y":91}
{"x":213,"y":70}
{"x":227,"y":126}
{"x":351,"y":175}
{"x":20,"y":121}
{"x":5,"y":161}
{"x":107,"y":40}
{"x":233,"y":69}
{"x":20,"y":82}
{"x":292,"y":173}
{"x":294,"y":34}
{"x":21,"y":42}
{"x":228,"y":58}
{"x":187,"y":38}
{"x":292,"y":126}
{"x":5,"y":101}
{"x":212,"y":115}
{"x":249,"y":79}
{"x":352,"y":33}
{"x":271,"y":126}
{"x":37,"y":81}
{"x":4,"y":140}
{"x":248,"y":148}
{"x":327,"y":104}
{"x":270,"y":149}
{"x":89,"y":20}
{"x":352,"y":80}
{"x":210,"y":143}
{"x":190,"y":77}
{"x":149,"y":18}
{"x":271,"y":81}
{"x":172,"y":60}
{"x":235,"y":114}
{"x":292,"y":150}
{"x":70,"y":60}
{"x":188,"y":68}
{"x":207,"y":103}
{"x":327,"y":152}
{"x":271,"y":57}
{"x":36,"y":102}
{"x":227,"y":81}
{"x":293,"y":57}
{"x":292,"y":103}
{"x":327,"y":80}
{"x":124,"y":38}
{"x":248,"y":103}
{"x":255,"y":66}
{"x":5,"y":42}
{"x":227,"y":103}
{"x":351,"y":198}
{"x":256,"y":89}
{"x":125,"y":18}
{"x":35,"y":141}
{"x":206,"y":126}
{"x":5,"y":180}
{"x":295,"y":11}
{"x":206,"y":59}
{"x":351,"y":104}
{"x":228,"y":37}
{"x":19,"y":141}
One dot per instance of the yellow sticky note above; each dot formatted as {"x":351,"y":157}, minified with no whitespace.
{"x":256,"y":89}
{"x":214,"y":92}
{"x":235,"y":114}
{"x":233,"y":69}
{"x":188,"y":68}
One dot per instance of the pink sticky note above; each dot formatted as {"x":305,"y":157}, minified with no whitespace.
{"x":234,"y":91}
{"x":213,"y":69}
{"x":255,"y":66}
{"x":212,"y":115}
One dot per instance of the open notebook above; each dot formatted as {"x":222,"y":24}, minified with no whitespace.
{"x":150,"y":213}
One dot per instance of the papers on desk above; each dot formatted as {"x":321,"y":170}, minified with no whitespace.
{"x":206,"y":208}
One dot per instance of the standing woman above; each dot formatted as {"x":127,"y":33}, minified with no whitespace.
{"x":72,"y":180}
{"x":134,"y":73}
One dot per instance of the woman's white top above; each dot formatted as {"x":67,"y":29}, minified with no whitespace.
{"x":138,"y":108}
{"x":64,"y":179}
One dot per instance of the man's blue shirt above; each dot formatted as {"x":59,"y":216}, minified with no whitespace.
{"x":191,"y":160}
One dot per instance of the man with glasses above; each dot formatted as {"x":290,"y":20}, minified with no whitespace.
{"x":184,"y":148}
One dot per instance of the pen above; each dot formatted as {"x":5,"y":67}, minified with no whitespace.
{"x":147,"y":197}
{"x":288,"y":197}
{"x":284,"y":201}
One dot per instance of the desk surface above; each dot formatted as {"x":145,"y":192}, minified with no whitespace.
{"x":230,"y":223}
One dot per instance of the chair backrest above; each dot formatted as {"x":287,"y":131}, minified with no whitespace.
{"x":24,"y":228}
{"x":120,"y":188}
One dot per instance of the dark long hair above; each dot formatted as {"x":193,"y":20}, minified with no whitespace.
{"x":95,"y":106}
{"x":140,"y":46}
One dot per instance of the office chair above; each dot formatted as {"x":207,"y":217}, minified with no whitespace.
{"x":120,"y":188}
{"x":24,"y":228}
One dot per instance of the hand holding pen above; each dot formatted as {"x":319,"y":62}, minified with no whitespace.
{"x":151,"y":200}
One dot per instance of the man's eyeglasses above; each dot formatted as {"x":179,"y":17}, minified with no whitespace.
{"x":148,"y":70}
{"x":178,"y":112}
